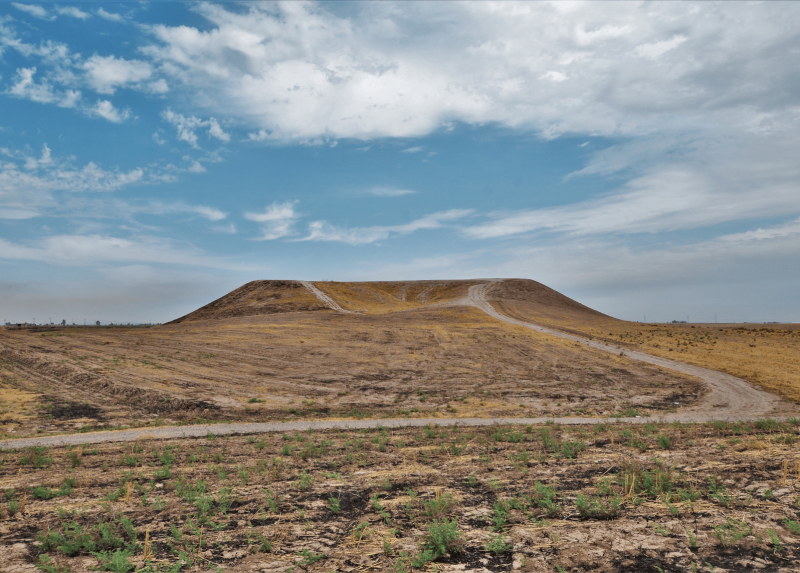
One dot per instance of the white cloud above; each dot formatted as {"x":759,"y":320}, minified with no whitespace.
{"x":390,"y":192}
{"x":413,"y":149}
{"x":158,"y":139}
{"x":158,"y":208}
{"x":553,"y":76}
{"x":277,"y":220}
{"x":106,"y":74}
{"x":34,"y":10}
{"x":760,"y":234}
{"x":196,"y":167}
{"x":109,"y":15}
{"x":29,"y":185}
{"x":72,"y":12}
{"x":655,"y":49}
{"x":186,"y":127}
{"x":106,"y":110}
{"x":159,"y":86}
{"x":298,"y":71}
{"x":91,"y":249}
{"x":26,"y":88}
{"x":323,"y":231}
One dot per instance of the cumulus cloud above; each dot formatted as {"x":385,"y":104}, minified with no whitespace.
{"x":277,"y":220}
{"x":323,"y":231}
{"x":29,"y":184}
{"x":300,"y":71}
{"x":186,"y":127}
{"x":106,"y":74}
{"x":106,"y":110}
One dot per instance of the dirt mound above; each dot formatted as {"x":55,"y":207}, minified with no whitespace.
{"x":531,"y":301}
{"x":257,"y":298}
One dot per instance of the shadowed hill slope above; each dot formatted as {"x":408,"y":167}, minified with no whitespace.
{"x":258,"y":298}
{"x":531,"y":301}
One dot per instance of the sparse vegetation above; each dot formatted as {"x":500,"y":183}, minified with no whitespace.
{"x":225,"y":495}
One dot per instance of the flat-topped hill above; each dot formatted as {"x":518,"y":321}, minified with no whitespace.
{"x":521,"y":297}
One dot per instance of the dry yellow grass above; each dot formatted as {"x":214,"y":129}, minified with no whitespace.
{"x":766,"y":355}
{"x":386,"y":297}
{"x":16,"y":405}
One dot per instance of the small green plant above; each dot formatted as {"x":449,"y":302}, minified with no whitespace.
{"x":545,"y":498}
{"x":777,"y":546}
{"x":360,"y":530}
{"x":117,"y":562}
{"x":273,"y":501}
{"x":664,"y":441}
{"x":387,"y":547}
{"x":304,"y":481}
{"x":438,"y":507}
{"x":666,"y":532}
{"x":402,"y":564}
{"x":422,"y":558}
{"x":472,"y":481}
{"x":692,"y":539}
{"x":719,"y":493}
{"x":443,"y":537}
{"x":497,"y":544}
{"x":38,"y":457}
{"x":333,"y":504}
{"x":46,"y":565}
{"x":731,"y":532}
{"x":309,"y":557}
{"x":792,"y":526}
{"x":597,"y":507}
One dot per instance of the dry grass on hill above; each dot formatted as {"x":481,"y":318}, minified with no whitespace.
{"x":453,"y":361}
{"x":766,"y":354}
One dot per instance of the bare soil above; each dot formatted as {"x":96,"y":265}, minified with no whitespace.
{"x":660,"y":497}
{"x":446,"y":361}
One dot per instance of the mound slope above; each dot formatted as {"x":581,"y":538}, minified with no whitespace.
{"x":258,"y":298}
{"x":531,"y":301}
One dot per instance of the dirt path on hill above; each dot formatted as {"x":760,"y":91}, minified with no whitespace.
{"x":323,"y":298}
{"x":730,"y":398}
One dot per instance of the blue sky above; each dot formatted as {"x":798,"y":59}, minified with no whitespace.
{"x":639,"y":157}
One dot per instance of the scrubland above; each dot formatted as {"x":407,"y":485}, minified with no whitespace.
{"x":661,"y":497}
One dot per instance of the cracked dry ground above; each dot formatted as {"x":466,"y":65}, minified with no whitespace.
{"x":660,"y":497}
{"x":451,"y":362}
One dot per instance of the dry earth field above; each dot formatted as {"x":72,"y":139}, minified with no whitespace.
{"x":669,"y":497}
{"x":661,"y":497}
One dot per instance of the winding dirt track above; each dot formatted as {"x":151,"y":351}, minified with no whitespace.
{"x":730,"y":398}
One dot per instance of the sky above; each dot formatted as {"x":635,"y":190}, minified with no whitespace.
{"x":641,"y":158}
